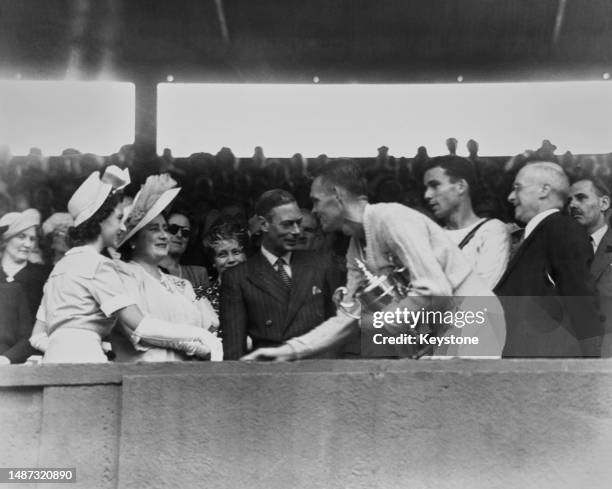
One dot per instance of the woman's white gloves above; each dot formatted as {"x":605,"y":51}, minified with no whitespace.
{"x":190,"y":340}
{"x":40,"y":341}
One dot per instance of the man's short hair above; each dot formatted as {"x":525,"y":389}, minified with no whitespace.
{"x":456,"y":168}
{"x":552,"y":174}
{"x":272,"y":199}
{"x":599,"y":185}
{"x":344,"y":173}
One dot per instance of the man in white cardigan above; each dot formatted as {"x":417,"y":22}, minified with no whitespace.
{"x":383,"y":236}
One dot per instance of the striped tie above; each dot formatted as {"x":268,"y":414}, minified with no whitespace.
{"x":280,"y":268}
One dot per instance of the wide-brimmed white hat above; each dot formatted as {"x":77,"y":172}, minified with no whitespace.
{"x":92,"y":193}
{"x":154,"y":196}
{"x":16,"y":222}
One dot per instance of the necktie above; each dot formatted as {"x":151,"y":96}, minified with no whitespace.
{"x":282,"y":272}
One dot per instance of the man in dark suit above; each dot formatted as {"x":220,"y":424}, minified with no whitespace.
{"x":547,"y":291}
{"x":589,"y":204}
{"x":278,"y":293}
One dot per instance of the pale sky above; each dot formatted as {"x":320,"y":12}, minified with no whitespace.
{"x":339,"y":120}
{"x":93,"y":117}
{"x":355,"y":119}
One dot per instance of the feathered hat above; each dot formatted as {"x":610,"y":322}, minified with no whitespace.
{"x":154,"y":196}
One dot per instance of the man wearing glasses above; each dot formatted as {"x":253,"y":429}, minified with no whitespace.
{"x":547,"y":290}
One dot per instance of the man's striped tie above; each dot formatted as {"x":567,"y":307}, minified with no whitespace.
{"x":280,"y":268}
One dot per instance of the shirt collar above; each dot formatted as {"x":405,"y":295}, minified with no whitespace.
{"x":537,"y":219}
{"x":598,"y":235}
{"x":272,"y":258}
{"x":82,"y":249}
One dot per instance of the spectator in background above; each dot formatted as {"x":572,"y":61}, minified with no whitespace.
{"x":311,"y":236}
{"x":21,"y":201}
{"x":255,"y":234}
{"x":226,"y":242}
{"x":55,"y":235}
{"x":450,"y":183}
{"x":180,"y":230}
{"x":384,"y":161}
{"x":72,"y":158}
{"x":259,"y":159}
{"x":418,"y":165}
{"x":489,"y":179}
{"x":226,"y":159}
{"x":451,"y":144}
{"x":43,"y":201}
{"x":6,"y":203}
{"x":386,"y":188}
{"x":472,"y":147}
{"x":313,"y":165}
{"x":546,"y":152}
{"x":18,"y":243}
{"x":21,"y":285}
{"x":589,"y":202}
{"x":234,"y":212}
{"x":167,"y":161}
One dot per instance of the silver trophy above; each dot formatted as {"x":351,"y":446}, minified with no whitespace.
{"x":377,"y":292}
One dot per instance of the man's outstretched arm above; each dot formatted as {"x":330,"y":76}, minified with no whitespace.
{"x":324,"y":337}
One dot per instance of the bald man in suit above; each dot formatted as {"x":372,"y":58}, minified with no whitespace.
{"x":278,"y":293}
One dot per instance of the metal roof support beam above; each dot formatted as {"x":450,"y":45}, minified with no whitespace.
{"x":559,"y":21}
{"x":222,"y":21}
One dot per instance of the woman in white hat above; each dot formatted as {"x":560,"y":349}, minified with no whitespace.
{"x":16,"y":245}
{"x":21,"y":284}
{"x":85,"y":294}
{"x":144,"y":246}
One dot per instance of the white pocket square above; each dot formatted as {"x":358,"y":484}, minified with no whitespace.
{"x":316,"y":290}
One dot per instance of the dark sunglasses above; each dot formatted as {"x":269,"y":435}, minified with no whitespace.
{"x":175,"y":228}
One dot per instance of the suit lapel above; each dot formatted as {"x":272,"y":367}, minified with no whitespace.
{"x":301,"y":283}
{"x":263,"y":276}
{"x":522,"y":247}
{"x":603,"y":255}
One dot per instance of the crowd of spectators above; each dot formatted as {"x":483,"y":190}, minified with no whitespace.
{"x":225,"y":185}
{"x":216,"y":206}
